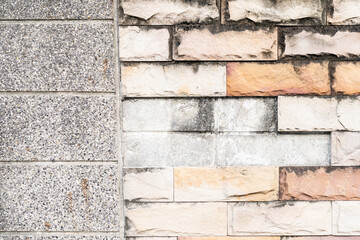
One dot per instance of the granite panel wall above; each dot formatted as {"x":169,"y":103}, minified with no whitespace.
{"x":180,"y":119}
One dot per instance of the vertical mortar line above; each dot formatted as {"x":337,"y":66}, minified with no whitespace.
{"x":118,"y":117}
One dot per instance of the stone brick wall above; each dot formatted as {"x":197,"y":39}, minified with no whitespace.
{"x":180,"y":119}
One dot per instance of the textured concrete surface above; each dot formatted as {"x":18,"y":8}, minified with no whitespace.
{"x":70,"y":9}
{"x":58,"y":128}
{"x":57,"y":57}
{"x":59,"y":197}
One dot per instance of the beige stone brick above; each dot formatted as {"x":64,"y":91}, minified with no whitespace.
{"x":344,"y":12}
{"x":346,"y":78}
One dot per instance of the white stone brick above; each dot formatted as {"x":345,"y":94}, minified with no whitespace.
{"x":345,"y":12}
{"x":345,"y":148}
{"x":346,"y":218}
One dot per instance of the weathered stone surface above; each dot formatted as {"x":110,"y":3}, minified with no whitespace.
{"x":322,"y":238}
{"x":280,"y":218}
{"x":173,"y":80}
{"x":148,"y":184}
{"x":151,"y":238}
{"x":42,"y":56}
{"x":344,"y":12}
{"x":229,"y":238}
{"x":59,"y":197}
{"x":318,"y":114}
{"x":168,"y":115}
{"x":226,"y":184}
{"x":225,"y":43}
{"x":159,"y":149}
{"x":166,"y":12}
{"x":273,"y":150}
{"x":245,"y":114}
{"x":319,"y":183}
{"x":346,"y":78}
{"x":345,"y":148}
{"x":58,"y":127}
{"x":144,"y":44}
{"x":72,"y":9}
{"x":284,"y":11}
{"x":273,"y":79}
{"x":59,"y":237}
{"x":346,"y":217}
{"x":173,"y":219}
{"x":339,"y":43}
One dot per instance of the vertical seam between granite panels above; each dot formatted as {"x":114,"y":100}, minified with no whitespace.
{"x":118,"y":116}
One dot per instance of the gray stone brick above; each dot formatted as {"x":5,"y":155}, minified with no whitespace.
{"x":57,"y":57}
{"x":59,"y":197}
{"x":70,"y":9}
{"x":60,"y":127}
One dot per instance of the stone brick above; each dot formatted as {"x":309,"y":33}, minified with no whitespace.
{"x":273,"y":79}
{"x":42,"y":56}
{"x":58,"y":127}
{"x":346,"y":217}
{"x":229,"y":238}
{"x":245,"y":114}
{"x":346,"y":78}
{"x":319,"y":183}
{"x":151,"y":238}
{"x":58,"y":237}
{"x":273,"y":150}
{"x":160,"y":149}
{"x":280,"y":218}
{"x":344,"y":12}
{"x":285,"y":11}
{"x":173,"y":80}
{"x":144,"y":44}
{"x":168,"y":115}
{"x":226,"y":184}
{"x":148,"y":184}
{"x":225,"y":43}
{"x":322,"y":238}
{"x":173,"y":219}
{"x":59,"y":197}
{"x":166,"y":12}
{"x":345,"y":148}
{"x":309,"y":42}
{"x":71,"y":9}
{"x":318,"y":114}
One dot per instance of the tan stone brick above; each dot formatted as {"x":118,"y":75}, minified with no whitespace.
{"x":269,"y":79}
{"x":347,"y":78}
{"x":224,"y":43}
{"x":226,"y":184}
{"x":174,"y":219}
{"x":319,"y":183}
{"x":228,"y":238}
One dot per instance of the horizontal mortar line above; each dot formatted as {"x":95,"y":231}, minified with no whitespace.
{"x":54,"y":233}
{"x":112,"y":162}
{"x":54,"y":21}
{"x":55,"y":93}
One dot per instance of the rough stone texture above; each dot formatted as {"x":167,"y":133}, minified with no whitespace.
{"x":245,"y":114}
{"x":335,"y":43}
{"x":319,"y":183}
{"x":345,"y":148}
{"x":173,"y":219}
{"x":273,"y":79}
{"x":58,"y":127}
{"x":322,"y":238}
{"x":318,"y":114}
{"x":273,"y":150}
{"x":280,"y":218}
{"x":71,"y":9}
{"x":229,"y":238}
{"x":173,"y":80}
{"x":59,"y":237}
{"x":42,"y":56}
{"x":344,"y":12}
{"x":346,"y":217}
{"x":166,"y":12}
{"x":225,"y":43}
{"x":346,"y":78}
{"x":284,"y":11}
{"x":59,"y":197}
{"x":168,"y":149}
{"x":148,"y":184}
{"x":199,"y":115}
{"x":144,"y":44}
{"x":151,"y":238}
{"x":226,"y":184}
{"x":168,"y":115}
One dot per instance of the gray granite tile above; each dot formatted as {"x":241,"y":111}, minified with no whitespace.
{"x":57,"y":57}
